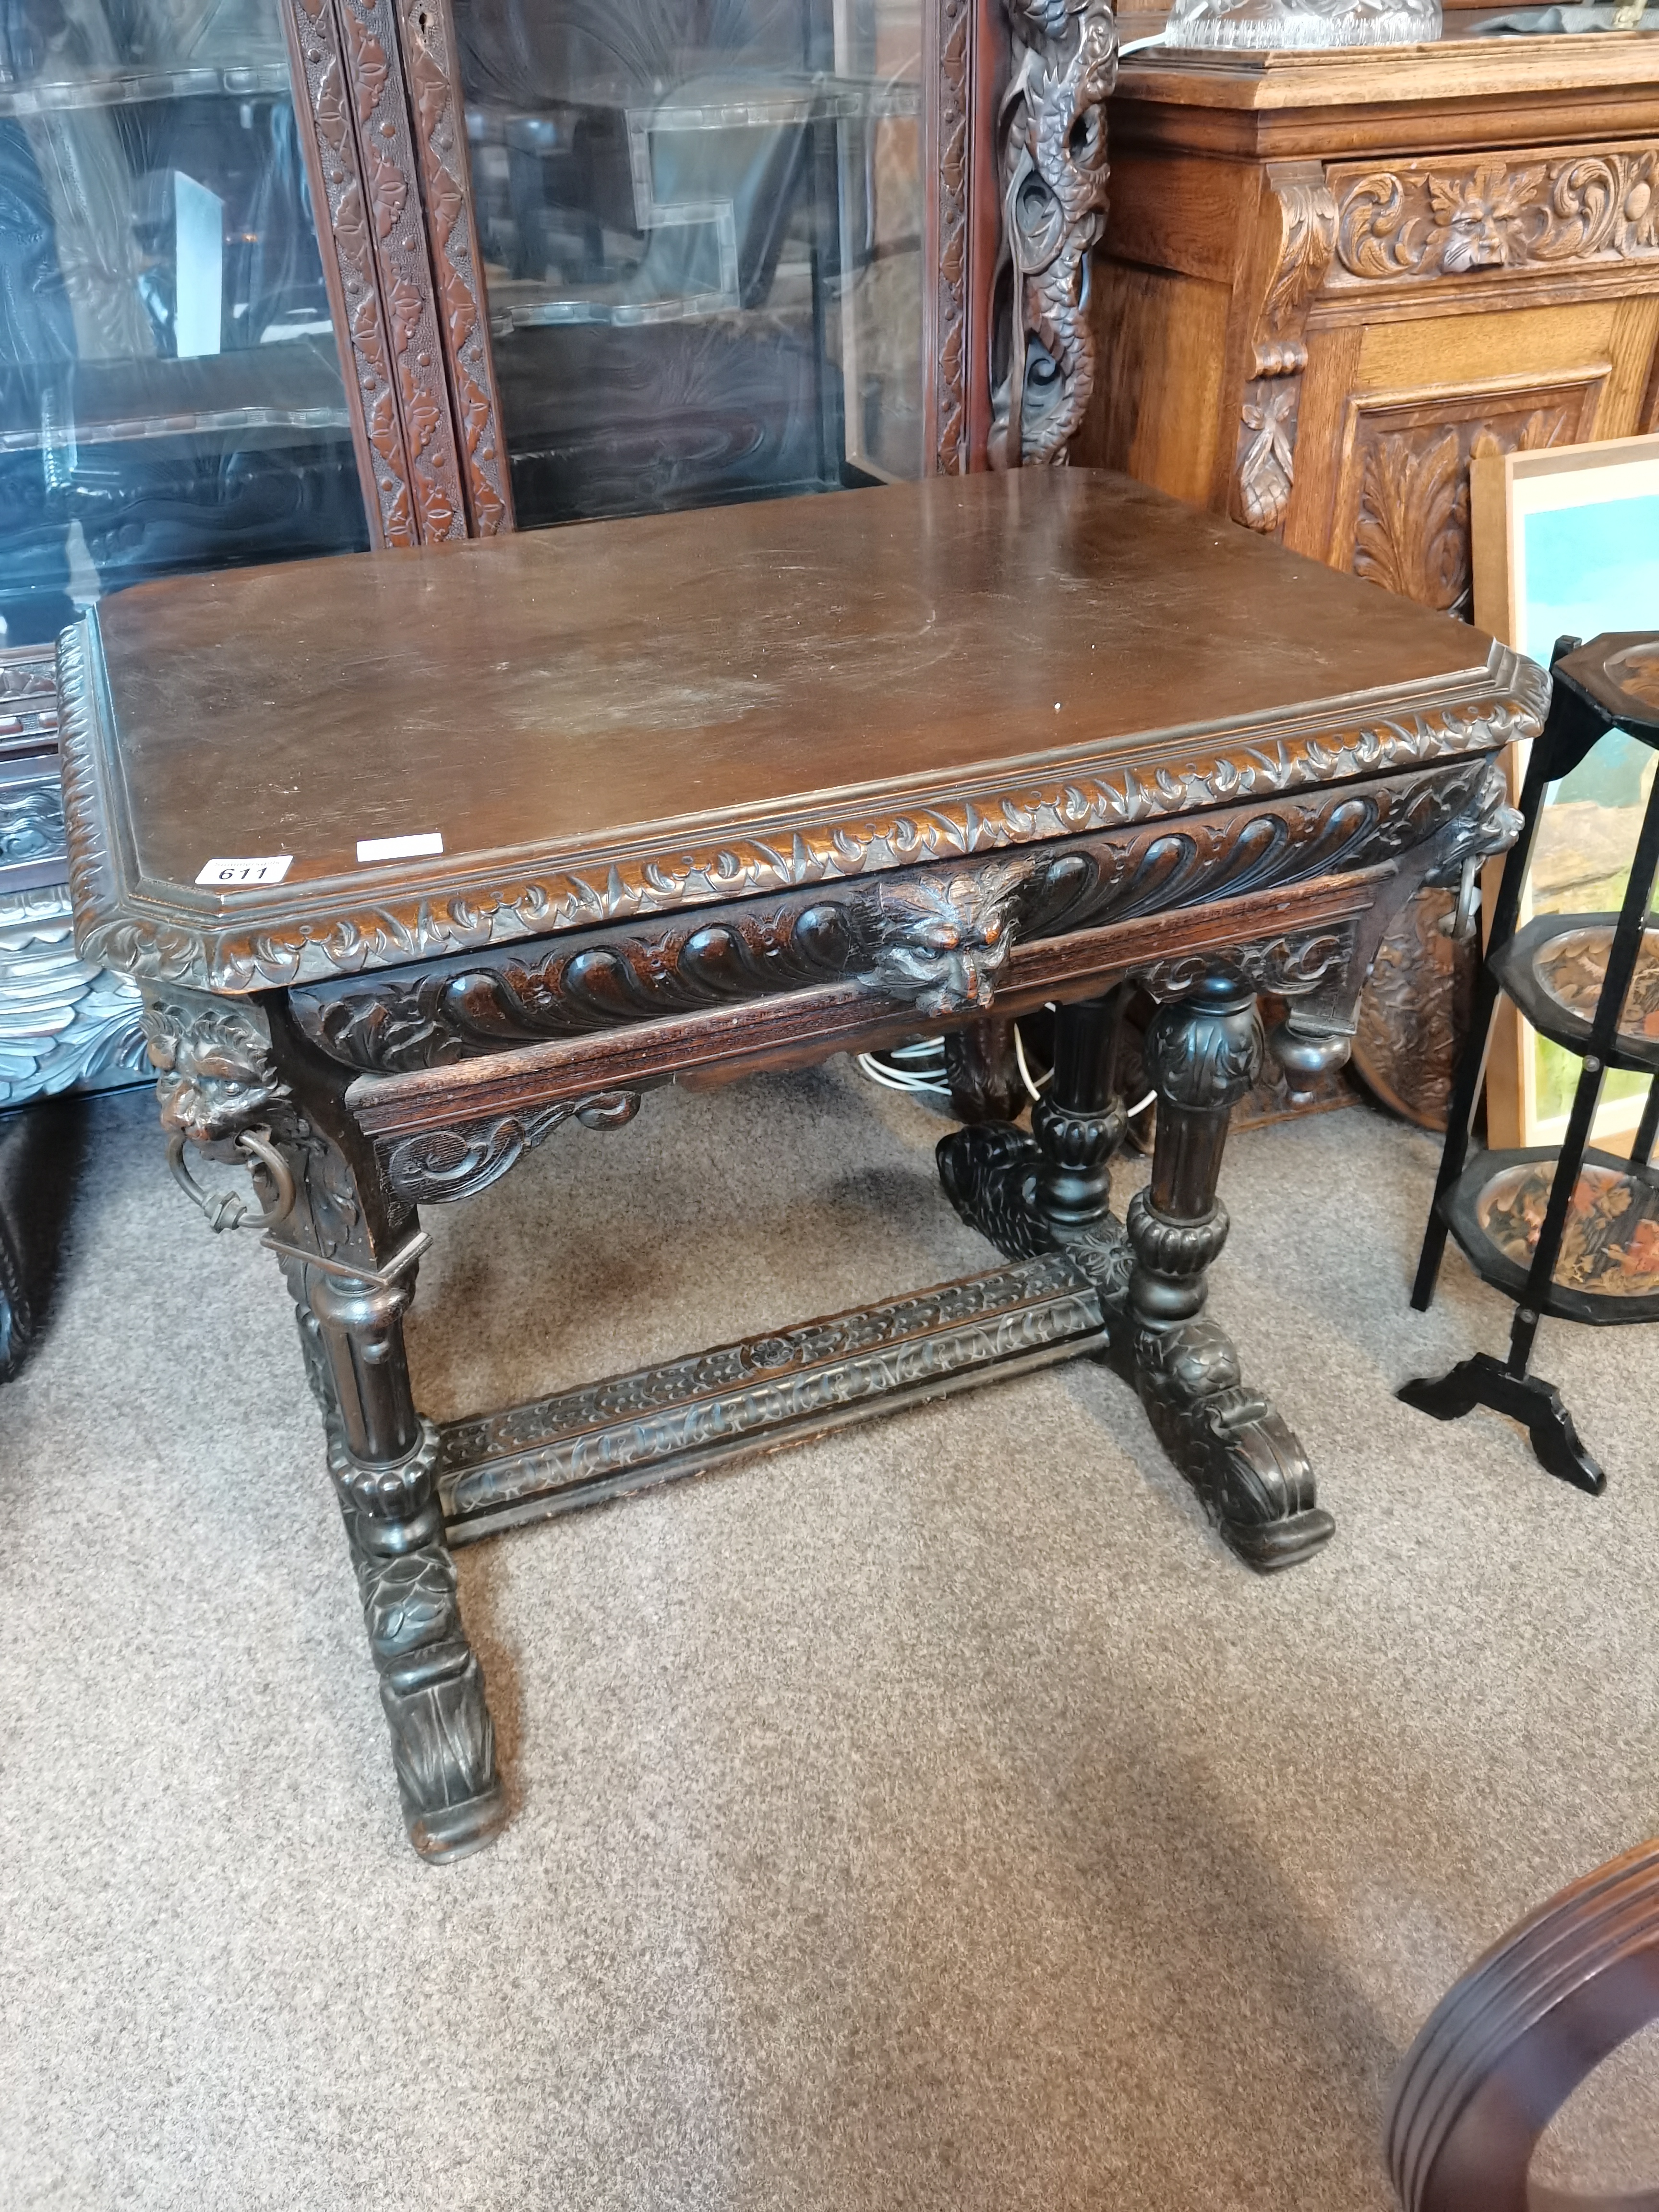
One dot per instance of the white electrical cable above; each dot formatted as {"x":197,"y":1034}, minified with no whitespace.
{"x":1035,"y":1089}
{"x":1150,"y":1099}
{"x":893,"y":1078}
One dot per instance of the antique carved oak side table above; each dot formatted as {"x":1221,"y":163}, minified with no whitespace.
{"x":515,"y":830}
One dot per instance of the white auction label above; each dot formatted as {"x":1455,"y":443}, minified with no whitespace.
{"x":235,"y":875}
{"x":399,"y":848}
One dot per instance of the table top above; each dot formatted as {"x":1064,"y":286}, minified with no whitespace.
{"x":626,"y":717}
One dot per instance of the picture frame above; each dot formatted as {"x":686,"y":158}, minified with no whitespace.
{"x":1564,"y":541}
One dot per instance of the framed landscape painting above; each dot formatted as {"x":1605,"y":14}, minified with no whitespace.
{"x":1565,"y":542}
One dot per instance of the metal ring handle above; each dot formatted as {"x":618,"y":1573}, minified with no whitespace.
{"x":224,"y":1209}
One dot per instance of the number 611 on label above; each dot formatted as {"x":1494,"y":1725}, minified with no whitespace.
{"x":242,"y":875}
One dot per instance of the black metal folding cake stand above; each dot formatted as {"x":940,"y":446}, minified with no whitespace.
{"x":1562,"y":1229}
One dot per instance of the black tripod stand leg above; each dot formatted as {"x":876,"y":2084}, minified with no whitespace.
{"x":1446,"y":1397}
{"x":1555,"y":1440}
{"x":1484,"y":1380}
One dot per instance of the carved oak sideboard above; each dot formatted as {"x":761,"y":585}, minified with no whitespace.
{"x":1327,"y":278}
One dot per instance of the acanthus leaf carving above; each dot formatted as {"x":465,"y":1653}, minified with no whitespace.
{"x":396,"y":1023}
{"x":1412,"y":534}
{"x":1307,"y":239}
{"x":1432,"y":219}
{"x":1305,"y":216}
{"x":337,"y":931}
{"x":434,"y":1166}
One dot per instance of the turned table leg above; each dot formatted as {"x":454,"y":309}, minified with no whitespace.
{"x":383,"y":1461}
{"x":1202,"y":1054}
{"x":235,"y":1083}
{"x":1050,"y":1191}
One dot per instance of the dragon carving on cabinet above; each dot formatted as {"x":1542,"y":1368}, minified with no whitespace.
{"x":1051,"y":162}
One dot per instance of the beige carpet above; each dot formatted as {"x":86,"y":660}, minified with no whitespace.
{"x":932,"y":1817}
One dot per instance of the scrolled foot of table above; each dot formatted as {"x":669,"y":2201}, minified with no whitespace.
{"x":989,"y":1173}
{"x":432,"y":1688}
{"x":1250,"y":1472}
{"x":1247,"y":1466}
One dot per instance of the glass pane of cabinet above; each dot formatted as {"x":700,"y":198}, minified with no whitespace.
{"x":701,"y":222}
{"x":170,"y":390}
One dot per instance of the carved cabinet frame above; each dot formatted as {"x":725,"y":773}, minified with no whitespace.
{"x":378,"y":103}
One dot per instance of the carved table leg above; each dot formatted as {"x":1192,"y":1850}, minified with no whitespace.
{"x":1034,"y":1193}
{"x":383,"y":1458}
{"x":233,"y":1078}
{"x":982,"y":1071}
{"x":1203,"y":1053}
{"x":1051,"y":1190}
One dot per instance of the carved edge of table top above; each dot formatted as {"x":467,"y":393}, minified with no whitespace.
{"x":260,"y":941}
{"x":940,"y":940}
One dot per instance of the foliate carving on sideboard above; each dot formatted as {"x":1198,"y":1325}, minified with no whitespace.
{"x":429,"y":44}
{"x":1305,"y":213}
{"x":951,"y":204}
{"x":1412,"y":535}
{"x":1051,"y":143}
{"x":1438,"y":219}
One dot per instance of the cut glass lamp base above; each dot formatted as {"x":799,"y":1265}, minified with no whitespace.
{"x":1264,"y":29}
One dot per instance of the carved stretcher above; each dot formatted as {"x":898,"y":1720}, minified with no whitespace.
{"x":732,"y":790}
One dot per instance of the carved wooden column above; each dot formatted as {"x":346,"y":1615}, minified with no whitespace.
{"x":367,"y":164}
{"x":1051,"y":148}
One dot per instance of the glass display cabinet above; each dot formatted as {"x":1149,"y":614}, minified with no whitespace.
{"x":170,"y":390}
{"x":281,"y":277}
{"x":700,"y":233}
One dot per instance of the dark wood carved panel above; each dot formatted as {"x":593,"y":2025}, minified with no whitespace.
{"x":428,"y":31}
{"x":1051,"y":161}
{"x":1406,"y":485}
{"x":1414,"y":1011}
{"x":937,"y":941}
